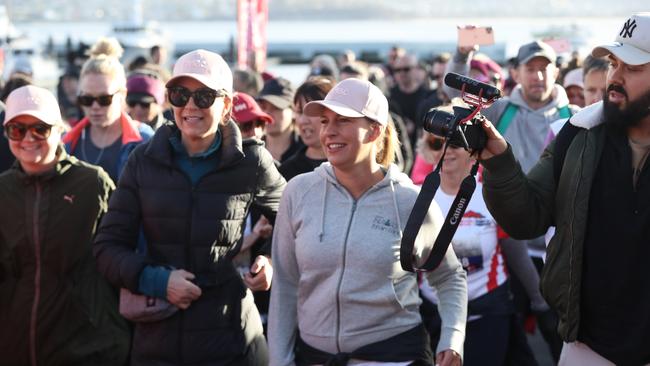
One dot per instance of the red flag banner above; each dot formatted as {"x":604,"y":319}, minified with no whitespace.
{"x":252,"y":18}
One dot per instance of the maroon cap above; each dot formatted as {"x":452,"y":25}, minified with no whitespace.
{"x":140,"y":86}
{"x":246,"y":109}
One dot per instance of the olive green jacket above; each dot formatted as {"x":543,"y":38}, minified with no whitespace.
{"x":55,"y":307}
{"x":526,"y":206}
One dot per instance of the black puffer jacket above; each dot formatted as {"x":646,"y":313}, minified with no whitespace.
{"x":196,"y":228}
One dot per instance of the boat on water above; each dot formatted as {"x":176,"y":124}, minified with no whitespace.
{"x":137,"y":36}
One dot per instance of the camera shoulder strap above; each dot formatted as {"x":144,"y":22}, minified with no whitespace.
{"x":419,"y":212}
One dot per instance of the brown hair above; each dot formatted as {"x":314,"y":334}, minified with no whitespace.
{"x":315,"y":88}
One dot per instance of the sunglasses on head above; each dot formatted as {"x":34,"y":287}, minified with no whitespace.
{"x":16,"y":131}
{"x":102,"y":100}
{"x":144,"y":105}
{"x":203,"y":98}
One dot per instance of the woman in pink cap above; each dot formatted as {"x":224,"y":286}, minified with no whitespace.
{"x":339,"y":293}
{"x":55,"y":308}
{"x":190,"y":189}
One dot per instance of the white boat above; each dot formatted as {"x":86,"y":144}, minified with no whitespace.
{"x":137,"y":36}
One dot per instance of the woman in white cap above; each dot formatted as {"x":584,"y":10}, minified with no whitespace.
{"x":190,"y":188}
{"x":339,"y":293}
{"x":55,"y":308}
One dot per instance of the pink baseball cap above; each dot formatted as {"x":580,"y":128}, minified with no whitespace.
{"x":246,"y":109}
{"x":353,"y":98}
{"x":206,"y":67}
{"x":33,"y":101}
{"x":144,"y":87}
{"x":573,"y":78}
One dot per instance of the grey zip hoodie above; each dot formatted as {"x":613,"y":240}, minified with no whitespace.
{"x":338,"y":278}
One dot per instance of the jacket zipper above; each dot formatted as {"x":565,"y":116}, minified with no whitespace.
{"x":338,"y":286}
{"x":573,"y":210}
{"x":37,"y":277}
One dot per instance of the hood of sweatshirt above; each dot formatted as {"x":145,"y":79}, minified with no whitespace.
{"x":589,"y":117}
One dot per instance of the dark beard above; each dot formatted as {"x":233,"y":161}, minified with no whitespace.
{"x":632,"y":115}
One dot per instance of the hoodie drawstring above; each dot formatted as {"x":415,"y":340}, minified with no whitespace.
{"x":399,"y":222}
{"x":322,"y":212}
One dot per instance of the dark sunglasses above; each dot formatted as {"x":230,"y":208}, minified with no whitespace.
{"x":144,"y":105}
{"x":438,"y":144}
{"x":402,"y":69}
{"x":248,"y":126}
{"x":102,"y":100}
{"x":16,"y":131}
{"x":203,"y":98}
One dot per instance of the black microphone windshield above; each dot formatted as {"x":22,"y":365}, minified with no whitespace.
{"x":472,"y":86}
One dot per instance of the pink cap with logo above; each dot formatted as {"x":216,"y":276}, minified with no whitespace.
{"x":206,"y":67}
{"x":353,"y":98}
{"x":33,"y":101}
{"x":632,"y":43}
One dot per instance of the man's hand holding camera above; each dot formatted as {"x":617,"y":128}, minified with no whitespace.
{"x":495,"y":145}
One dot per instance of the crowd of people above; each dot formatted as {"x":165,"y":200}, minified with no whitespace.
{"x":218,"y":216}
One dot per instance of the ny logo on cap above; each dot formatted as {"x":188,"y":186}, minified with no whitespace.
{"x":628,"y":29}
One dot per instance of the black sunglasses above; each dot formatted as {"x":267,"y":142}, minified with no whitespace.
{"x":16,"y":131}
{"x":102,"y":100}
{"x":437,"y":144}
{"x":144,"y":105}
{"x":203,"y":98}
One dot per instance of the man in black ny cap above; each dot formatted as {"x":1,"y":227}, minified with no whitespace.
{"x":276,"y":99}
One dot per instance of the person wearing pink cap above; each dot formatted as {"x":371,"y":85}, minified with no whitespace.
{"x":55,"y":307}
{"x":145,"y":99}
{"x":190,"y":189}
{"x":339,"y":294}
{"x":593,"y":183}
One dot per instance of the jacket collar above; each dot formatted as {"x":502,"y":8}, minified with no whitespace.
{"x":63,"y":164}
{"x":590,"y":116}
{"x":230,"y":151}
{"x":130,"y":132}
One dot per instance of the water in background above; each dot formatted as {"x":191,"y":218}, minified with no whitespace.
{"x":422,"y":36}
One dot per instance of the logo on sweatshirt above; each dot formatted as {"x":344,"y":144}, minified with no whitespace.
{"x":383,"y":224}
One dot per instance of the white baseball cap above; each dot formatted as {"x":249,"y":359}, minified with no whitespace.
{"x":632,"y":43}
{"x":206,"y":67}
{"x":573,"y":78}
{"x":31,"y":100}
{"x":353,"y":98}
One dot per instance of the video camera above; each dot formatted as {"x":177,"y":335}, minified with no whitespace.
{"x":464,"y":127}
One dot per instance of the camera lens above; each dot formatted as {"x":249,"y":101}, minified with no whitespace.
{"x":438,"y":122}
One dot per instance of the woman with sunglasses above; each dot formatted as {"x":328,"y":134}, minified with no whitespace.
{"x":190,"y":188}
{"x":55,"y":307}
{"x":482,"y":249}
{"x":106,"y":135}
{"x":339,"y":292}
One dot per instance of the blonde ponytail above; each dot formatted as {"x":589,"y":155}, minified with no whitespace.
{"x":387,"y":145}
